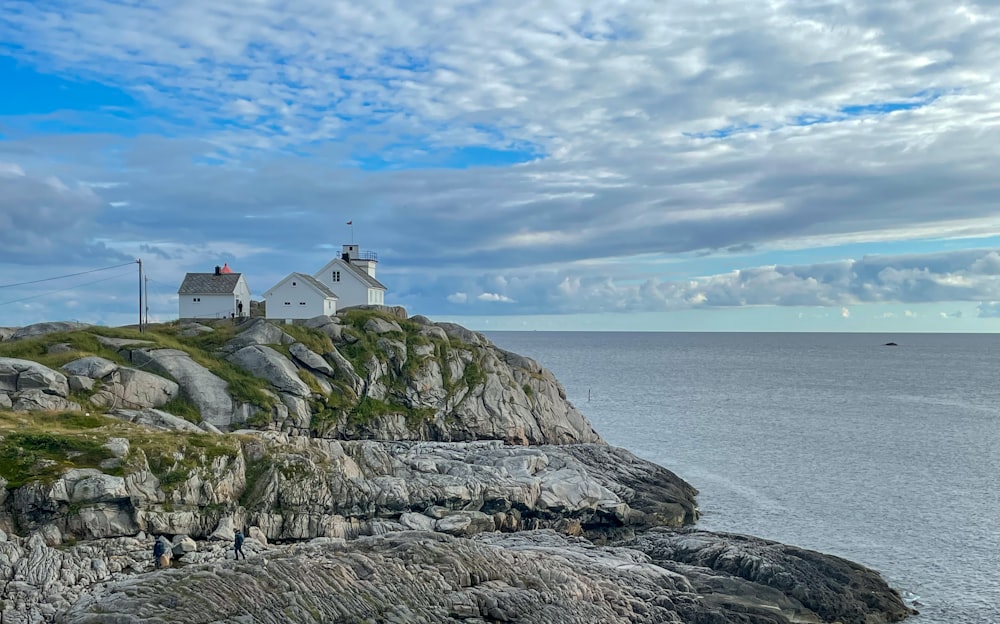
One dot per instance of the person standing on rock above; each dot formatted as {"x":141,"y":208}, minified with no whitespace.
{"x":159,"y":549}
{"x":238,"y":548}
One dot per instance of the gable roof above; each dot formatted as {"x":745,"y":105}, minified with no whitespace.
{"x":354,"y":270}
{"x":363,"y":274}
{"x":209,"y":284}
{"x":308,"y":280}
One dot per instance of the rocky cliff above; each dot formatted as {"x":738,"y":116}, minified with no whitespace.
{"x":388,"y":468}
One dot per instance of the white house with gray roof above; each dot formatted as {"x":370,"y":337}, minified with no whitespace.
{"x":352,"y":277}
{"x":221,"y":294}
{"x":299,"y":296}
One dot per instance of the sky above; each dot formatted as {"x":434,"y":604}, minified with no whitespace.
{"x":791,"y":165}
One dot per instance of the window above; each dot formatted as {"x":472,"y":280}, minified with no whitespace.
{"x":294,"y":284}
{"x":302,"y":303}
{"x":288,"y":303}
{"x":336,"y":276}
{"x":196,"y":299}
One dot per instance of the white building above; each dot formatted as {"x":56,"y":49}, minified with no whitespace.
{"x":299,"y":296}
{"x":352,"y":277}
{"x":221,"y":294}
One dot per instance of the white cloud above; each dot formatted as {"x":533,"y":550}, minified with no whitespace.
{"x":620,"y":107}
{"x":458,"y":297}
{"x":486,"y":296}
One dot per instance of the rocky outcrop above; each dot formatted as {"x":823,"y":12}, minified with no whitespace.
{"x":266,"y":363}
{"x":834,"y":589}
{"x":417,"y":576}
{"x":28,"y":386}
{"x":296,"y":488}
{"x":208,"y":392}
{"x":41,"y":329}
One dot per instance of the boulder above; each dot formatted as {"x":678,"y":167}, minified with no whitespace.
{"x":266,"y":363}
{"x":182,"y":544}
{"x":91,"y":366}
{"x":79,"y":382}
{"x":256,"y":534}
{"x":203,"y":388}
{"x":41,"y":401}
{"x":224,"y":531}
{"x":310,"y":359}
{"x":135,"y":389}
{"x":260,"y":332}
{"x":18,"y":375}
{"x":157,"y":419}
{"x":119,"y":447}
{"x":376,"y":325}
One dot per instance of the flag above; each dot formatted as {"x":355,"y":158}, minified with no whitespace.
{"x":351,"y":222}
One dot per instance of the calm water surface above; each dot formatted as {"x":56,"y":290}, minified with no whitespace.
{"x":888,"y":456}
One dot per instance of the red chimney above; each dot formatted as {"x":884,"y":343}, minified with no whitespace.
{"x":226,"y":269}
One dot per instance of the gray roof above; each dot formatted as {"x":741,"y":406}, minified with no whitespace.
{"x":363,"y":274}
{"x":209,"y":284}
{"x":315,"y":283}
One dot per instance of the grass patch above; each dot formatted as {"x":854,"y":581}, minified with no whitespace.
{"x":40,"y":446}
{"x":313,"y":339}
{"x":182,"y":406}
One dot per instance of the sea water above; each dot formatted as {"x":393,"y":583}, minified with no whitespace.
{"x":885,"y":455}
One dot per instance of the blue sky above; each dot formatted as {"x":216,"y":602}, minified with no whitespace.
{"x":585,"y":165}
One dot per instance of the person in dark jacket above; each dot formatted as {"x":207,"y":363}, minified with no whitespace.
{"x":159,"y":549}
{"x":238,"y":549}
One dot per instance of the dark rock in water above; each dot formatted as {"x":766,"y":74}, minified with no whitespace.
{"x":890,"y":344}
{"x":741,"y":569}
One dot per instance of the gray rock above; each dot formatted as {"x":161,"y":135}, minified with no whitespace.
{"x":266,"y":363}
{"x":415,"y":576}
{"x":309,"y":358}
{"x":6,"y":333}
{"x":120,"y":343}
{"x":41,"y":329}
{"x":79,"y":382}
{"x":59,"y":348}
{"x":119,"y":447}
{"x":224,"y":531}
{"x":206,"y":390}
{"x":182,"y":545}
{"x":18,"y":375}
{"x":376,"y":325}
{"x":190,"y":330}
{"x":5,"y":401}
{"x":260,"y":332}
{"x":91,"y":366}
{"x":40,"y":401}
{"x":157,"y":419}
{"x":135,"y":389}
{"x":256,"y":534}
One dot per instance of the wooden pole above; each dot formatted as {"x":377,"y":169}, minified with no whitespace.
{"x":139,"y":262}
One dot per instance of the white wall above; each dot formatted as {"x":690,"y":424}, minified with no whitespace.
{"x":293,"y":299}
{"x":351,"y":291}
{"x":210,"y":306}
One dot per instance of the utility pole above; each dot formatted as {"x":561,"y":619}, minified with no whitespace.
{"x":139,"y":262}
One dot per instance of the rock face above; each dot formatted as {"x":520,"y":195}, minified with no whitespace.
{"x":28,"y":386}
{"x":418,"y":576}
{"x":296,"y":488}
{"x":206,"y":390}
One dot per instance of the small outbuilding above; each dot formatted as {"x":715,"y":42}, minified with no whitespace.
{"x":221,"y":294}
{"x":299,"y":296}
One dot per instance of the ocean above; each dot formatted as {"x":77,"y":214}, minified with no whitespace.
{"x":885,"y":455}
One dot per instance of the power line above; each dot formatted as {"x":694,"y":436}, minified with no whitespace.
{"x":49,"y":279}
{"x":53,"y":292}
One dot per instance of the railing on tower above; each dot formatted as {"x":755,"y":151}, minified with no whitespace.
{"x":368,"y":255}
